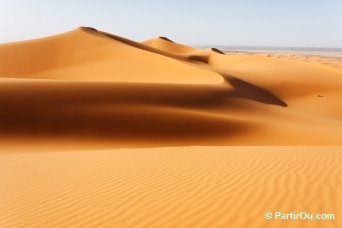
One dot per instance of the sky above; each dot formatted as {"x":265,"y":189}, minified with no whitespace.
{"x":274,"y":23}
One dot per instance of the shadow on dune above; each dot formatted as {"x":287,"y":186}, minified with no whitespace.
{"x":199,"y":58}
{"x":217,"y":51}
{"x":138,"y":125}
{"x":121,"y":113}
{"x":249,"y":91}
{"x":91,"y":28}
{"x":145,"y":113}
{"x":166,"y":39}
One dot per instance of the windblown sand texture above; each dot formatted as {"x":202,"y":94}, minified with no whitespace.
{"x":100,"y":131}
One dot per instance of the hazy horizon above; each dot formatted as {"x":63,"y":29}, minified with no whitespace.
{"x":313,"y":24}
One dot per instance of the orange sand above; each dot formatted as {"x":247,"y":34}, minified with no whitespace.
{"x":170,"y":187}
{"x":69,"y":102}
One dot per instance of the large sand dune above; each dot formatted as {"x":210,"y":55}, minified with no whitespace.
{"x":86,"y":90}
{"x":84,"y":54}
{"x":92,"y":84}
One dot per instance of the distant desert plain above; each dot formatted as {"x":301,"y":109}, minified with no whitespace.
{"x":97,"y":130}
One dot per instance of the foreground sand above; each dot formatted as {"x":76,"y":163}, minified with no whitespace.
{"x":71,"y":103}
{"x":170,"y":187}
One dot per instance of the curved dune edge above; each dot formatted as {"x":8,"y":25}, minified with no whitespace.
{"x":170,"y":187}
{"x":88,"y":55}
{"x":88,"y":85}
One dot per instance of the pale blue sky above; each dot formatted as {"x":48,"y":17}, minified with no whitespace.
{"x":294,"y":23}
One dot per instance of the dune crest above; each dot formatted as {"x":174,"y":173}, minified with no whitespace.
{"x":217,"y":51}
{"x":87,"y":54}
{"x":165,"y":38}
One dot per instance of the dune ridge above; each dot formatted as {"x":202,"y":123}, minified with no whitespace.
{"x":85,"y":54}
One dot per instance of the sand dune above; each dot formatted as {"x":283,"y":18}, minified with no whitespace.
{"x":104,"y":87}
{"x":185,"y":53}
{"x":167,"y":45}
{"x":84,"y":54}
{"x":65,"y":97}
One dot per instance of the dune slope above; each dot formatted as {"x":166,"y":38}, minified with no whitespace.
{"x":88,"y":84}
{"x":84,"y":54}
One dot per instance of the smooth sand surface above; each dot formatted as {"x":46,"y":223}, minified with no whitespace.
{"x":79,"y":110}
{"x":170,"y":187}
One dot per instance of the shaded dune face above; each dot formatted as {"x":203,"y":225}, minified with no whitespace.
{"x":142,"y":112}
{"x":249,"y":91}
{"x":217,"y":51}
{"x":151,"y":114}
{"x":87,"y":85}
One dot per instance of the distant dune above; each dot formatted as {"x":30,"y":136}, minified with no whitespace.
{"x":79,"y":112}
